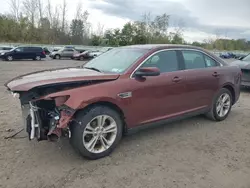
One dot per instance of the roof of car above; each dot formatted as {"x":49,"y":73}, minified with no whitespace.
{"x":156,"y":46}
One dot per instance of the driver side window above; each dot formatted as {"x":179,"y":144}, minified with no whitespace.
{"x":19,"y":49}
{"x":166,"y":61}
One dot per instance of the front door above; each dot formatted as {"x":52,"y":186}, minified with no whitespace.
{"x":202,"y":78}
{"x":158,"y":97}
{"x":19,"y":53}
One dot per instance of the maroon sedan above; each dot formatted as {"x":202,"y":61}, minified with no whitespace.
{"x":122,"y":90}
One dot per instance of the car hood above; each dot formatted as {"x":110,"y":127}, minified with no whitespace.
{"x":56,"y":76}
{"x":241,"y":64}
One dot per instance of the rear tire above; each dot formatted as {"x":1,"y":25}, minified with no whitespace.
{"x":221,"y":106}
{"x":37,"y":58}
{"x":99,"y":125}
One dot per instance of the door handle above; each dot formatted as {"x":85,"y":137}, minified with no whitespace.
{"x":215,"y":74}
{"x":176,"y":79}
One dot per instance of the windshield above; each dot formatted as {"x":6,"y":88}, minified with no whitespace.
{"x":247,"y":58}
{"x":117,"y":60}
{"x":13,"y":49}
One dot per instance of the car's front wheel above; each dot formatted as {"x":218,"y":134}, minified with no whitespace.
{"x":96,"y":132}
{"x":9,"y":58}
{"x":57,"y":57}
{"x":222,"y":105}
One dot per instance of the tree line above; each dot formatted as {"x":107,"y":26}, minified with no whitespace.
{"x":33,"y":21}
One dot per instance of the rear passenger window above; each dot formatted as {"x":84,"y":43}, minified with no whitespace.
{"x":166,"y":61}
{"x":210,"y":62}
{"x":193,"y":60}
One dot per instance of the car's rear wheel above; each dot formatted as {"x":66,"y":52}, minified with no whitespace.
{"x":96,"y":132}
{"x":9,"y":58}
{"x":38,"y":58}
{"x":222,"y":105}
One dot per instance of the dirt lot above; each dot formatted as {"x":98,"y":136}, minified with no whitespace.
{"x":194,"y":153}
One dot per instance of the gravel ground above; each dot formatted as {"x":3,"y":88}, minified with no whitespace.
{"x":193,"y":153}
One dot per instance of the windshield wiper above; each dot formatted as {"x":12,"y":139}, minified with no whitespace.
{"x":92,"y":68}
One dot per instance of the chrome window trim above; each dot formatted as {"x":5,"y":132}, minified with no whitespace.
{"x":172,"y":49}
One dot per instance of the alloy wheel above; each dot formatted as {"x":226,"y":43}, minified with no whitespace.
{"x":9,"y":58}
{"x":99,"y":134}
{"x":223,"y":105}
{"x":38,"y":58}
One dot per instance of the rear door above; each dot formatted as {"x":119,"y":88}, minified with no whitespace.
{"x":68,"y":52}
{"x":30,"y":52}
{"x":202,"y":78}
{"x":159,"y":97}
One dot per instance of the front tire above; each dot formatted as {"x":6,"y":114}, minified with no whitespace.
{"x":96,"y":132}
{"x":9,"y":58}
{"x":57,"y":56}
{"x":221,"y":106}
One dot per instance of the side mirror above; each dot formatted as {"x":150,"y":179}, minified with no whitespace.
{"x":147,"y":71}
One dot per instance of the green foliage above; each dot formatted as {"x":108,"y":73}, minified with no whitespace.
{"x":225,"y":44}
{"x":51,"y":30}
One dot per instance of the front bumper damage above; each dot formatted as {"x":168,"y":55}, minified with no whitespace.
{"x":44,"y":124}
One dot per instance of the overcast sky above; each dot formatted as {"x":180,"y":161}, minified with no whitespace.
{"x":201,"y":18}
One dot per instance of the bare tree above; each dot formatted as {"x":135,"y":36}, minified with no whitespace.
{"x":30,"y":10}
{"x":100,"y":29}
{"x":49,"y":11}
{"x":15,"y":8}
{"x":64,"y":11}
{"x":78,"y":11}
{"x":40,"y":9}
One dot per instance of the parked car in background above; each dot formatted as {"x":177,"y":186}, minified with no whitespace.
{"x":24,"y":52}
{"x":80,"y":50}
{"x":125,"y":89}
{"x":55,"y":49}
{"x":46,"y":50}
{"x":86,"y":55}
{"x":4,"y":49}
{"x":227,"y":55}
{"x":93,"y":54}
{"x":244,"y":65}
{"x":69,"y":47}
{"x":63,"y":53}
{"x":81,"y":56}
{"x":240,"y":56}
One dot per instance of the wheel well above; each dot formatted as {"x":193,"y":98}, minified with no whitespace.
{"x":231,"y":89}
{"x":112,"y":106}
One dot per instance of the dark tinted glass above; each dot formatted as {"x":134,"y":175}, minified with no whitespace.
{"x":210,"y":62}
{"x":68,"y":50}
{"x":193,"y":59}
{"x":166,"y":61}
{"x":33,"y":49}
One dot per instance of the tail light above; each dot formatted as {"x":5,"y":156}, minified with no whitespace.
{"x":44,"y":53}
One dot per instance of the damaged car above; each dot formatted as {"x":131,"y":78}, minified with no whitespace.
{"x":122,"y":90}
